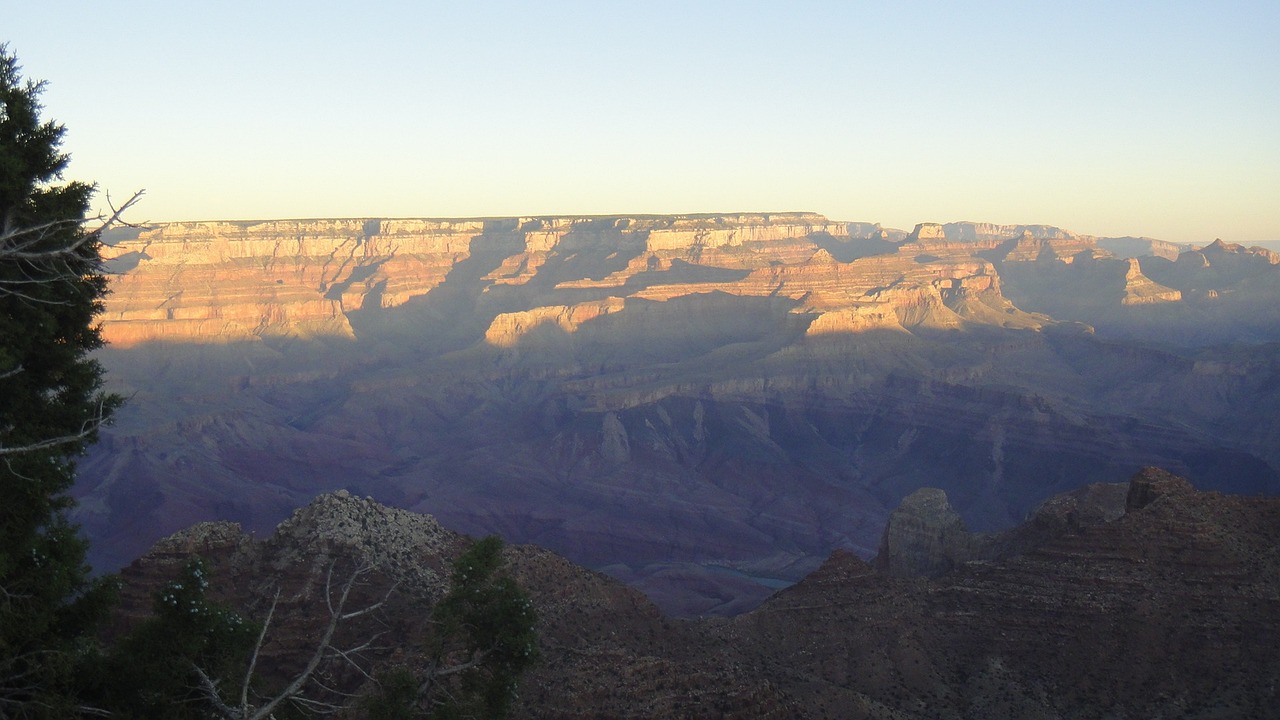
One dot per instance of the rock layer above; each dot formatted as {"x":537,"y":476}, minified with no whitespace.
{"x":227,"y":282}
{"x":1165,"y":609}
{"x":704,"y":405}
{"x":925,"y":537}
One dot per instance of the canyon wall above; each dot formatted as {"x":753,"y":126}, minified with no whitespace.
{"x":1140,"y":599}
{"x":704,"y":406}
{"x":229,"y":282}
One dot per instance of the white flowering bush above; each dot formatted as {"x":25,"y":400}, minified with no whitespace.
{"x":153,"y":668}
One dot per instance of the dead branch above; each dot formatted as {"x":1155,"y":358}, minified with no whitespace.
{"x":19,"y":242}
{"x":38,"y":261}
{"x":257,"y":649}
{"x":87,"y":428}
{"x":324,"y":649}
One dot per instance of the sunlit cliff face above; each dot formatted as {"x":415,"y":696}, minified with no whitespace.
{"x":224,"y":282}
{"x":703,"y":405}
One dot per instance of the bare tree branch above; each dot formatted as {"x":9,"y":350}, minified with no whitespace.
{"x":324,"y":649}
{"x":257,"y":648}
{"x":476,"y":658}
{"x":210,"y":688}
{"x":87,"y":428}
{"x":38,"y":263}
{"x":17,"y":242}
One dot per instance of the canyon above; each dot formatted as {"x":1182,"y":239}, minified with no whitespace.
{"x":702,"y":406}
{"x":1146,"y":598}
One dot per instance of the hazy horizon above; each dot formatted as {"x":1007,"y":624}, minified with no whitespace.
{"x":1273,"y":245}
{"x":1107,"y":119}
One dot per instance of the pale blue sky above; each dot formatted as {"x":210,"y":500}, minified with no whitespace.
{"x":1109,"y":118}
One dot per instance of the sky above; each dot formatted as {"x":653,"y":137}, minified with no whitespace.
{"x":1159,"y":119}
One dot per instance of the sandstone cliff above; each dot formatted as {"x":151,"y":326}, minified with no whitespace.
{"x":705,"y":406}
{"x":228,"y":282}
{"x":1214,"y":294}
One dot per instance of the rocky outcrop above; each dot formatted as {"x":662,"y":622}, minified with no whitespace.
{"x":1217,"y":266}
{"x":509,"y":329}
{"x":1167,"y":609}
{"x":1152,"y":484}
{"x":925,"y":537}
{"x":1069,"y":512}
{"x":606,"y":651}
{"x":1141,"y":290}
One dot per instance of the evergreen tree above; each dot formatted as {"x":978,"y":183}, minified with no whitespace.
{"x":485,"y":639}
{"x":51,"y":403}
{"x":151,"y":673}
{"x":488,"y":621}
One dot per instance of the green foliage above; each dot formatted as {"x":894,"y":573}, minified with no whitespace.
{"x":51,"y":286}
{"x":151,"y":672}
{"x":493,"y":620}
{"x":485,"y":639}
{"x":396,"y":697}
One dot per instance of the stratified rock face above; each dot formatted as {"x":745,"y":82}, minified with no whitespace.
{"x":228,"y":282}
{"x":1010,"y":242}
{"x":1215,"y":294}
{"x":703,"y":404}
{"x":409,"y":548}
{"x":1168,"y":609}
{"x":925,"y":537}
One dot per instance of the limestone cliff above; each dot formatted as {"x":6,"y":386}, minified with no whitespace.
{"x":1132,"y":247}
{"x":705,"y":405}
{"x":1026,"y":242}
{"x":229,"y":282}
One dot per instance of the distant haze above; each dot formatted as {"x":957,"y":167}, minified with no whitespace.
{"x":1112,"y":119}
{"x":1269,"y":244}
{"x":702,"y":406}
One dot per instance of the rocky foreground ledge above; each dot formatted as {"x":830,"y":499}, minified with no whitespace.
{"x":1145,"y":599}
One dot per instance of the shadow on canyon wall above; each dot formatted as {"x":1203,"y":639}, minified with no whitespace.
{"x":702,"y":448}
{"x":706,"y":419}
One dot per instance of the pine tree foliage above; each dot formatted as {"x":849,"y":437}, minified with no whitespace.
{"x":151,"y":673}
{"x":51,"y":404}
{"x":485,"y":638}
{"x":490,"y":616}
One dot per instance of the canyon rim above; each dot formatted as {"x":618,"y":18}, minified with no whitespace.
{"x":704,"y":406}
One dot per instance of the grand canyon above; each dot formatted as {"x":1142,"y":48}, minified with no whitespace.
{"x":1146,"y":598}
{"x":703,"y":407}
{"x":640,"y":361}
